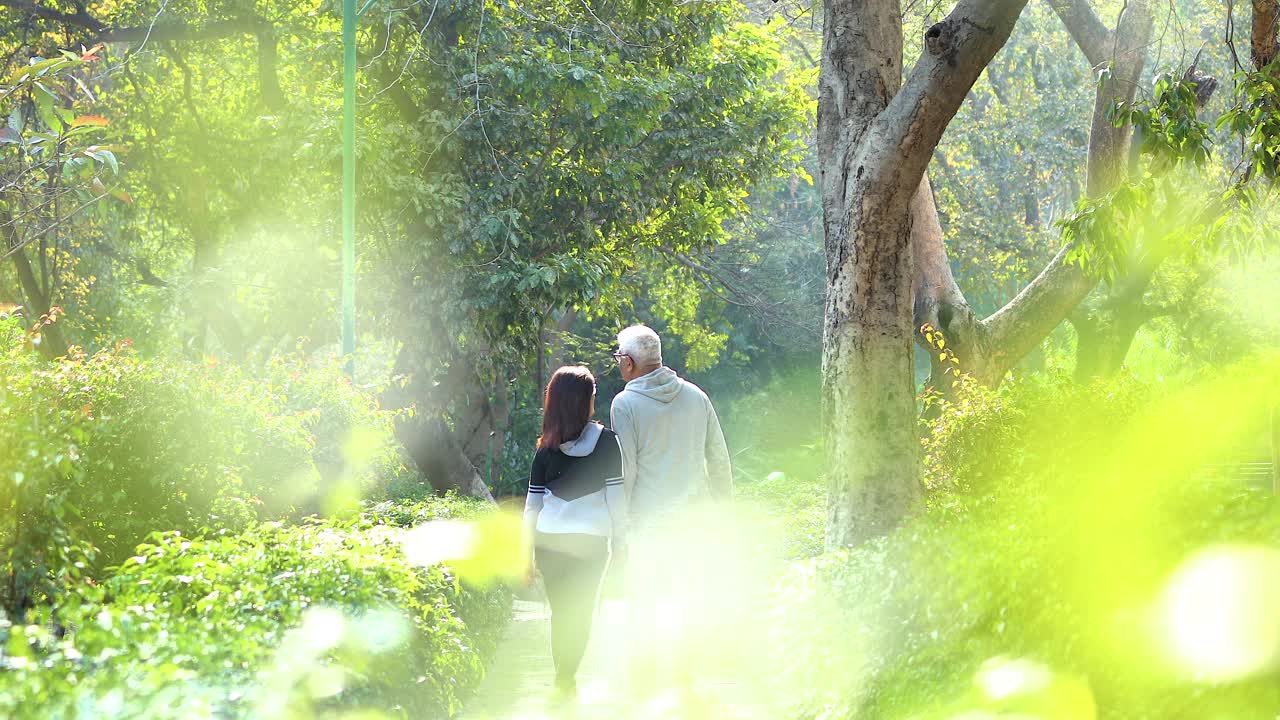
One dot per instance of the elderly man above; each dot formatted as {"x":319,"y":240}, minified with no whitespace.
{"x":674,"y":459}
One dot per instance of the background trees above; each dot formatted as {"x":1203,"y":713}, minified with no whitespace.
{"x":517,"y":165}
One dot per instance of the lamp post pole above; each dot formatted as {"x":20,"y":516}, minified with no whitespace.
{"x":350,"y":16}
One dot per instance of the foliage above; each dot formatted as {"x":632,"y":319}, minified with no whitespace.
{"x":39,"y":464}
{"x":1168,"y":210}
{"x":1045,"y":576}
{"x":795,"y":513}
{"x":980,"y":436}
{"x":239,"y":455}
{"x":1255,"y":118}
{"x":1169,"y":125}
{"x":1149,"y":219}
{"x":273,"y":622}
{"x":353,"y":442}
{"x":100,"y":450}
{"x":55,"y":167}
{"x":778,"y":465}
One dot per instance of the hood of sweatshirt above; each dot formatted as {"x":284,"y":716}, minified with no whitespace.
{"x":584,"y":444}
{"x":662,"y":385}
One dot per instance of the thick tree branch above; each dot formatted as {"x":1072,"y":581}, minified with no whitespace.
{"x":1091,"y":35}
{"x":80,"y":18}
{"x":956,"y":52}
{"x":988,"y":348}
{"x":184,"y":31}
{"x":1018,"y":327}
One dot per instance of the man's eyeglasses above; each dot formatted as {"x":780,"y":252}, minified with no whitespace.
{"x":617,"y":357}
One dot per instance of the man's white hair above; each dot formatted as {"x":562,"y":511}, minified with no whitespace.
{"x":642,"y":344}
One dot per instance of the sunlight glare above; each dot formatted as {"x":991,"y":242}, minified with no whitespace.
{"x":438,"y":541}
{"x":1218,"y":613}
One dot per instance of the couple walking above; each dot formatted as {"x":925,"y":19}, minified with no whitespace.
{"x":599,"y":495}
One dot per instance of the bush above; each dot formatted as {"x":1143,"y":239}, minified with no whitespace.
{"x":983,"y":436}
{"x":355,"y":449}
{"x":125,"y":446}
{"x":1042,"y":578}
{"x":795,"y":510}
{"x":273,"y":622}
{"x":97,"y":451}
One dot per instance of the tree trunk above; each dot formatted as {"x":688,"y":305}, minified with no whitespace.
{"x":37,"y":299}
{"x":214,"y":307}
{"x":1103,"y":342}
{"x":433,"y":448}
{"x":53,"y":344}
{"x":1263,"y":38}
{"x":427,"y":438}
{"x":1123,"y":310}
{"x":875,"y":137}
{"x":557,"y":350}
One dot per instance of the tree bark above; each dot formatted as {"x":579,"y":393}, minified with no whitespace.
{"x":1263,"y":43}
{"x":876,"y":135}
{"x":53,"y":344}
{"x":37,"y":300}
{"x":435,"y":451}
{"x":1103,"y":341}
{"x":427,"y":438}
{"x":989,"y":347}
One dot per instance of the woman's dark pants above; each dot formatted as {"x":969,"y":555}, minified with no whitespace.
{"x":572,"y":568}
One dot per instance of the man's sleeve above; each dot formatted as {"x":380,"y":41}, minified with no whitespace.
{"x":719,"y":470}
{"x":623,"y":425}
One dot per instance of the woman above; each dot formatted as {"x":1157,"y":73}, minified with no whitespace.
{"x":575,"y":506}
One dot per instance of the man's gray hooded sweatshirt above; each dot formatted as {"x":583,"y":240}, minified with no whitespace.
{"x":672,"y":447}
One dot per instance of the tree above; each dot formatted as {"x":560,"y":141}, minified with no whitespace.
{"x":585,"y":150}
{"x":987,"y":348}
{"x":52,"y":177}
{"x":876,"y":134}
{"x":1164,"y":236}
{"x":517,"y":164}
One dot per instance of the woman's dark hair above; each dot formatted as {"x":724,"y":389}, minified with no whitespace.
{"x":566,"y":408}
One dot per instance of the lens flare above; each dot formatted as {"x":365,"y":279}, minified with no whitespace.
{"x":438,"y":541}
{"x":1218,"y":613}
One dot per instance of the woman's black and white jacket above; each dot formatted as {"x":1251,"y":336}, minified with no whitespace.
{"x":577,"y":488}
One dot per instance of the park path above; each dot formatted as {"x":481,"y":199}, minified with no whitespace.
{"x":518,"y":682}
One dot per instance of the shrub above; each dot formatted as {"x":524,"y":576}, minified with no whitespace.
{"x":40,"y":464}
{"x":1042,"y":582}
{"x":152,"y":444}
{"x":355,"y":449}
{"x":97,"y":451}
{"x":794,"y":510}
{"x":984,"y":436}
{"x":273,"y":622}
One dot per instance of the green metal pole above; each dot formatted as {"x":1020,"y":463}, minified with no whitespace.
{"x":349,"y":20}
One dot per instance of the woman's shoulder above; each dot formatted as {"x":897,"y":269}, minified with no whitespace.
{"x":609,"y":442}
